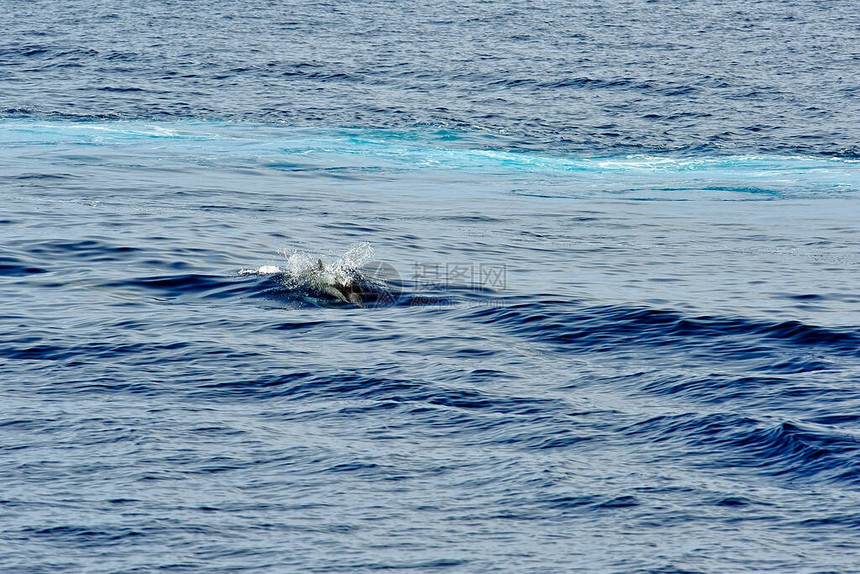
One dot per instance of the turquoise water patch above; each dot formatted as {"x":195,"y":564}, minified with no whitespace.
{"x":362,"y":153}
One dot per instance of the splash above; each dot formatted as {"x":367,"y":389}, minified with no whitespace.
{"x":324,"y":283}
{"x":301,"y":268}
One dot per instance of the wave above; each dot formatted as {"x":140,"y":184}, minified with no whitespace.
{"x":478,"y":414}
{"x":305,"y":280}
{"x":571,"y":325}
{"x":726,"y":441}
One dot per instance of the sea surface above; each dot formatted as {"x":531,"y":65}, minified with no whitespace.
{"x":608,"y":256}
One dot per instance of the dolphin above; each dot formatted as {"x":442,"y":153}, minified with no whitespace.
{"x":348,"y":292}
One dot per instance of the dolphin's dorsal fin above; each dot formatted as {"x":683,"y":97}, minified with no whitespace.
{"x":319,"y":264}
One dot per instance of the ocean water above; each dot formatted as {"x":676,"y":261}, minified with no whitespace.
{"x":608,"y":259}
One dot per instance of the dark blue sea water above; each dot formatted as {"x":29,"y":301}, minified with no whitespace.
{"x":608,"y":259}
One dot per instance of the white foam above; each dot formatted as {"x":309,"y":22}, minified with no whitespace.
{"x":263,"y":270}
{"x":303,"y":271}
